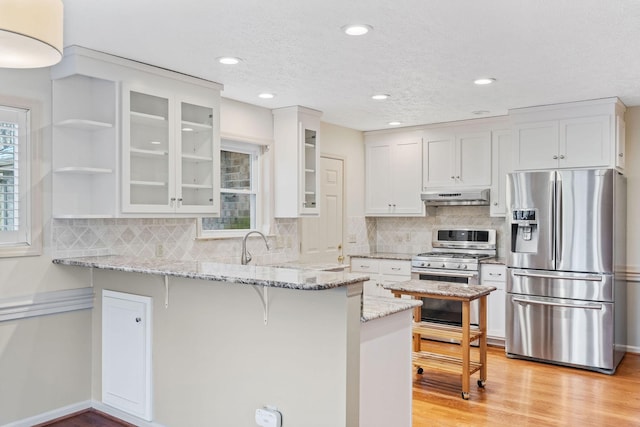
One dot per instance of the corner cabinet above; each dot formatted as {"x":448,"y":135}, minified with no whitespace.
{"x":572,"y":135}
{"x":170,"y":152}
{"x":296,"y":132}
{"x":84,"y":159}
{"x":455,"y":159}
{"x":392,"y":175}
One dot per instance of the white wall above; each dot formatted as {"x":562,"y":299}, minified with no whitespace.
{"x":349,"y":145}
{"x":632,"y":171}
{"x":44,"y":361}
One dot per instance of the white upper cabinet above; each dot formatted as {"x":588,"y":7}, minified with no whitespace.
{"x":453,"y":158}
{"x":170,"y":156}
{"x":573,"y":135}
{"x":501,"y":148}
{"x":296,"y":132}
{"x":393,"y":175}
{"x":122,"y":148}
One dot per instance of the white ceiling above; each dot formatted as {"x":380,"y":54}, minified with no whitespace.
{"x":424,"y":53}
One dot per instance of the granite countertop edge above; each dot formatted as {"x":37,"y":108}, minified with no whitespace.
{"x":385,"y":255}
{"x":376,"y":307}
{"x":435,"y":289}
{"x":300,"y":279}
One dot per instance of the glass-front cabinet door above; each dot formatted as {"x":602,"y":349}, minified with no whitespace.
{"x":310,"y":170}
{"x":147,"y":178}
{"x":170,"y":152}
{"x":198,"y":159}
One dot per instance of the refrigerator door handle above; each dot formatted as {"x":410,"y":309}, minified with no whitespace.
{"x":592,"y":306}
{"x":552,"y":213}
{"x":589,"y":278}
{"x":558,"y":220}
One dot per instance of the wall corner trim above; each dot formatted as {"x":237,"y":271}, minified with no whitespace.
{"x":45,"y":303}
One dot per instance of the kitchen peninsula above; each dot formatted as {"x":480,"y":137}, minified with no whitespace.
{"x":228,"y":339}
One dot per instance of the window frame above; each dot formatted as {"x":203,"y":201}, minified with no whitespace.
{"x":258,"y":152}
{"x":30,"y":243}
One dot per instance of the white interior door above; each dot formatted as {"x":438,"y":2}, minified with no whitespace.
{"x":321,"y":236}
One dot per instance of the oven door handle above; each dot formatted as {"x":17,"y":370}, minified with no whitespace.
{"x":559,"y":304}
{"x":447,"y":273}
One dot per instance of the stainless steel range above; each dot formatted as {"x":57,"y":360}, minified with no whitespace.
{"x":455,"y":258}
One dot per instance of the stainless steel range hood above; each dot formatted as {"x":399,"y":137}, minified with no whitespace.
{"x":455,"y":197}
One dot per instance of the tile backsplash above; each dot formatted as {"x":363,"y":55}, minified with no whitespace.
{"x":177,"y":237}
{"x":412,"y":235}
{"x":141,"y":237}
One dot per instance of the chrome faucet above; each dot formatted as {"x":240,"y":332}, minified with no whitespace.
{"x":245,"y":258}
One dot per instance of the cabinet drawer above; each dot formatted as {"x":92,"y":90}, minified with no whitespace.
{"x":365,"y":265}
{"x":396,"y":268}
{"x":493,"y":273}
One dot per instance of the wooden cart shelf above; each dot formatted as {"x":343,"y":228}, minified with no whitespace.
{"x":436,"y":331}
{"x":444,"y":363}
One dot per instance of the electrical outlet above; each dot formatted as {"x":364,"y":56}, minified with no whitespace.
{"x":159,"y":250}
{"x":352,"y":238}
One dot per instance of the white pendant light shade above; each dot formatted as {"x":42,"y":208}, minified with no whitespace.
{"x":30,"y":33}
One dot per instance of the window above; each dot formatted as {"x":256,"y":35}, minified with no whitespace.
{"x":16,"y":234}
{"x":239,"y":196}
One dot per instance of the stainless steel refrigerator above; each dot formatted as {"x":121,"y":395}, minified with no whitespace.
{"x":566,"y":301}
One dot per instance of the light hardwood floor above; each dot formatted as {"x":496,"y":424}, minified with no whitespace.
{"x":523,"y":393}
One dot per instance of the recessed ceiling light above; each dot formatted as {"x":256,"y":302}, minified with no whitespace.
{"x":266,"y":95}
{"x":229,"y":60}
{"x":357,"y":29}
{"x":484,"y":81}
{"x":186,"y":129}
{"x":380,"y":96}
{"x":155,"y":142}
{"x":480,"y":112}
{"x":395,"y":123}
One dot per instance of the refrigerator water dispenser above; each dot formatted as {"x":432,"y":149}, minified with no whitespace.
{"x":524,"y":230}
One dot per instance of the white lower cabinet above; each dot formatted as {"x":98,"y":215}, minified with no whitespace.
{"x":126,"y":353}
{"x":495,"y":275}
{"x":382,"y":272}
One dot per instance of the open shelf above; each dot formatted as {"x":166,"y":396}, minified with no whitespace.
{"x":83,"y":170}
{"x":84,"y":124}
{"x":438,"y":331}
{"x":440,"y":362}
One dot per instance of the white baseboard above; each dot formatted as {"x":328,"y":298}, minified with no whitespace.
{"x":632,"y":349}
{"x":77,"y":407}
{"x":51,"y":415}
{"x":123,"y":415}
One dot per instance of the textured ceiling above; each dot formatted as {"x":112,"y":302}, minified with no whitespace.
{"x":424,"y":53}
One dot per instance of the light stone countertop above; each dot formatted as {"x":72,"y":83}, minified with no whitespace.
{"x":301,"y":279}
{"x":385,"y":255}
{"x":377,"y":307}
{"x":436,"y":289}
